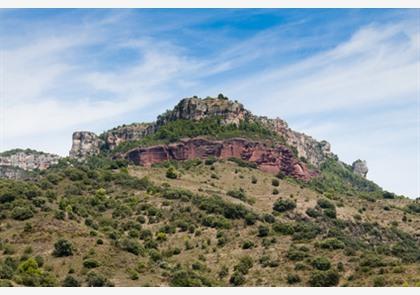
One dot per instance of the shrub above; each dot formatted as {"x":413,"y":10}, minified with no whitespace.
{"x":388,"y":195}
{"x":331,"y":243}
{"x":29,"y":274}
{"x":90,"y":263}
{"x":327,"y":278}
{"x":263,"y":231}
{"x":131,"y":246}
{"x":63,"y":248}
{"x":70,"y":281}
{"x":210,"y":161}
{"x":97,"y":280}
{"x":324,"y":204}
{"x":224,"y":271}
{"x":379,"y":281}
{"x":296,"y":254}
{"x":321,"y":263}
{"x":275,"y":182}
{"x":269,"y":218}
{"x":244,"y":265}
{"x":171,"y":173}
{"x":238,"y":194}
{"x":6,"y":272}
{"x":312,"y":212}
{"x":248,"y":245}
{"x":5,"y":283}
{"x":242,"y":163}
{"x":284,"y":205}
{"x":306,"y":231}
{"x":275,"y":191}
{"x":250,"y":218}
{"x":283,"y":228}
{"x":254,"y":180}
{"x":22,"y":213}
{"x":188,"y":278}
{"x":293,"y":279}
{"x":237,"y":279}
{"x":330,"y":213}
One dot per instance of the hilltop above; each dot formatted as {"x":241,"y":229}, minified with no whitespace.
{"x":207,"y":195}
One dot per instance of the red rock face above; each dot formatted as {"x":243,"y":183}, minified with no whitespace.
{"x":272,"y":160}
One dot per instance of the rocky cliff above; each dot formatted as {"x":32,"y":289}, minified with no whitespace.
{"x":273,"y":160}
{"x":84,"y":144}
{"x":360,"y":168}
{"x":13,"y":163}
{"x":195,"y":109}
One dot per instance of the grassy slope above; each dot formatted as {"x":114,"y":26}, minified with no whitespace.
{"x":115,"y":213}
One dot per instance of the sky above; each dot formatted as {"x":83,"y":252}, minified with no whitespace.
{"x":348,"y":76}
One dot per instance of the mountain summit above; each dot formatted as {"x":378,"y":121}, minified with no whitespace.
{"x":221,"y":111}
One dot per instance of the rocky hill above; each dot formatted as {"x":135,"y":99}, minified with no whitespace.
{"x":14,"y":163}
{"x":195,"y":109}
{"x":207,"y":195}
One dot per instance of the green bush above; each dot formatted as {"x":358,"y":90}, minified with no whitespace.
{"x":248,"y":245}
{"x":171,"y":173}
{"x":188,"y":278}
{"x":324,"y":204}
{"x":283,"y":228}
{"x":321,"y":263}
{"x":238,"y":194}
{"x":6,"y":272}
{"x":332,"y":243}
{"x":97,"y":280}
{"x":284,"y":205}
{"x":327,"y":278}
{"x":131,"y":246}
{"x":305,"y":231}
{"x":330,"y":213}
{"x":63,"y":248}
{"x":250,"y":218}
{"x":90,"y":263}
{"x":70,"y":281}
{"x":237,"y":279}
{"x":275,"y":182}
{"x":22,"y":213}
{"x":263,"y":231}
{"x":312,"y":212}
{"x":29,"y":274}
{"x":244,"y":265}
{"x":296,"y":254}
{"x":242,"y":163}
{"x":293,"y":279}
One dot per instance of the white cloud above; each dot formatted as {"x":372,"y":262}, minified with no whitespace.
{"x":49,"y":88}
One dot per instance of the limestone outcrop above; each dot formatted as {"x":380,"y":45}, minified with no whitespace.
{"x":273,"y":160}
{"x":194,"y":108}
{"x":124,"y":133}
{"x":360,"y":168}
{"x":85,"y":144}
{"x":28,"y":160}
{"x":230,"y":112}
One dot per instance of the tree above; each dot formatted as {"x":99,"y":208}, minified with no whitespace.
{"x":63,"y":248}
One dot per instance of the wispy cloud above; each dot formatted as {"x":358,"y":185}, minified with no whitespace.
{"x":352,"y":82}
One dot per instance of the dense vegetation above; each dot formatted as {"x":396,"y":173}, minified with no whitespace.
{"x":100,"y":224}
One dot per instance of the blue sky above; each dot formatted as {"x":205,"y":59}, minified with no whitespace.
{"x":350,"y":77}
